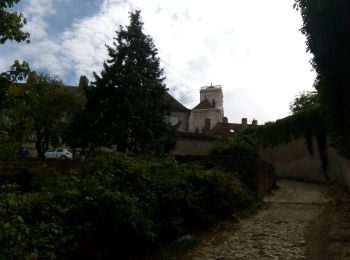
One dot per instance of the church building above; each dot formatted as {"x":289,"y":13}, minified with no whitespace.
{"x":206,"y":118}
{"x":208,"y":112}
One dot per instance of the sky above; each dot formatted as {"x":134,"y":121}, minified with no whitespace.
{"x":254,"y":49}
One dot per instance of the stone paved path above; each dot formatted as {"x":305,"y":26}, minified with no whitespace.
{"x":278,"y":231}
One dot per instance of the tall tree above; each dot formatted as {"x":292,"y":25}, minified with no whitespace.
{"x":11,"y":23}
{"x":41,"y":110}
{"x":125,"y":104}
{"x":327,"y":30}
{"x":10,"y":135}
{"x":304,"y":100}
{"x":18,"y":71}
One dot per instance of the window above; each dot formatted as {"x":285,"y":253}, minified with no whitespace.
{"x":174,"y":120}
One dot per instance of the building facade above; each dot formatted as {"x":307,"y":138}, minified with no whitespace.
{"x":207,"y":117}
{"x":208,"y":112}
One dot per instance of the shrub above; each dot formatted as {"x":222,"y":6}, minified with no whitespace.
{"x":243,"y":144}
{"x":114,"y":206}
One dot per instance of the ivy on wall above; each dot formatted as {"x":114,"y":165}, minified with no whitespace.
{"x":307,"y":123}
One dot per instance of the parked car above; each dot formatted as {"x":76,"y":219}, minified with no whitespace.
{"x":58,"y":153}
{"x":23,"y":152}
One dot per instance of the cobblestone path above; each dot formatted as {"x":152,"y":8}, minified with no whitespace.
{"x":277,"y":231}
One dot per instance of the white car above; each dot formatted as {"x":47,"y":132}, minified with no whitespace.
{"x":58,"y":153}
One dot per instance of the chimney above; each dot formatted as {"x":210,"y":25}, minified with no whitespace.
{"x":244,"y":122}
{"x":83,"y":82}
{"x":225,"y":120}
{"x":254,"y":122}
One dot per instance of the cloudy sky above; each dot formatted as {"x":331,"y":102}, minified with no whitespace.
{"x":252,"y":48}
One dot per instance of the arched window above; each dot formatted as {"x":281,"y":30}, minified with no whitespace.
{"x":213,"y":103}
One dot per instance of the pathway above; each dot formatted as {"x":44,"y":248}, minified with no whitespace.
{"x":277,"y":231}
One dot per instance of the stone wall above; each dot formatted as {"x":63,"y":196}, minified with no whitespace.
{"x":189,"y":146}
{"x":294,"y":161}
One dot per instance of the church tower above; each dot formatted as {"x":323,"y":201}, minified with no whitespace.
{"x":209,"y":111}
{"x":214,"y":95}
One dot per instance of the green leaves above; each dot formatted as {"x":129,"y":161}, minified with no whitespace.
{"x":304,"y":100}
{"x":41,"y":107}
{"x":11,"y":23}
{"x":125,"y":106}
{"x":327,"y":30}
{"x":114,"y":207}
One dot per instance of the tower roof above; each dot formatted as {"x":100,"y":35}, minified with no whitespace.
{"x":204,"y":104}
{"x":211,"y":87}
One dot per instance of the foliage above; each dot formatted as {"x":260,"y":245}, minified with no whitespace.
{"x":41,"y":107}
{"x":11,"y":23}
{"x":125,"y":104}
{"x":10,"y":138}
{"x":326,"y":27}
{"x":18,"y":71}
{"x":242,"y":144}
{"x":307,"y":123}
{"x":304,"y":100}
{"x":114,"y":206}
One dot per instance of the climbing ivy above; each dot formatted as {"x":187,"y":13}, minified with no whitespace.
{"x":327,"y":31}
{"x":307,"y":123}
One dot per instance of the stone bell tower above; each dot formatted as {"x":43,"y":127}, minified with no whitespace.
{"x":209,"y":111}
{"x":214,"y":95}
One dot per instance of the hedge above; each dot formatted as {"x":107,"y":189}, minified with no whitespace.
{"x":114,"y":206}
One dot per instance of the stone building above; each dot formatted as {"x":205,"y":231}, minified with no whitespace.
{"x":206,"y":118}
{"x":208,"y":112}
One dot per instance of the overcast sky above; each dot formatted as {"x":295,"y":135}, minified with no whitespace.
{"x":252,"y":48}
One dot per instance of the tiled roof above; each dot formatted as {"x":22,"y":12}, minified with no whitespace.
{"x":225,"y":129}
{"x":75,"y":90}
{"x":174,"y":104}
{"x":204,"y":104}
{"x":72,"y":89}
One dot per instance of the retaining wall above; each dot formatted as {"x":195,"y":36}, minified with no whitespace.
{"x":293,"y":161}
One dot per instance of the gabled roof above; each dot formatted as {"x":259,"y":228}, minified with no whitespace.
{"x":71,"y":89}
{"x":174,"y":104}
{"x":204,"y":104}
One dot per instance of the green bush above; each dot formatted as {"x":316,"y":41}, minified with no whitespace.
{"x":243,"y":144}
{"x":114,"y":206}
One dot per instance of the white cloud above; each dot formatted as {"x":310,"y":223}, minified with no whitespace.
{"x":252,"y":48}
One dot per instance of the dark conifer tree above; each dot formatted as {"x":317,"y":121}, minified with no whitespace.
{"x":126,"y":100}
